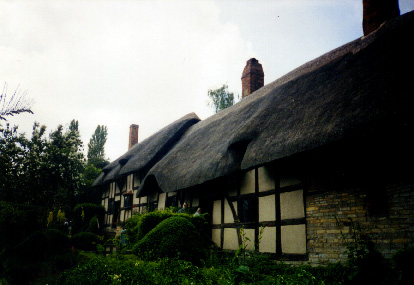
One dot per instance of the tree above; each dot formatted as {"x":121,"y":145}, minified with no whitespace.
{"x":15,"y":105}
{"x":220,"y":98}
{"x":96,"y":146}
{"x":74,"y":126}
{"x":40,"y":171}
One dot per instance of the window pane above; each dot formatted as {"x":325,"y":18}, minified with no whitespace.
{"x":248,"y":210}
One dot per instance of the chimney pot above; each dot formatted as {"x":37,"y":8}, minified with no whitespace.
{"x":133,"y":135}
{"x":376,"y":12}
{"x":252,"y":77}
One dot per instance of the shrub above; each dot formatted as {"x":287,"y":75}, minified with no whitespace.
{"x":34,"y":247}
{"x":58,"y":241}
{"x":173,"y":237}
{"x":85,"y":241}
{"x":150,"y":221}
{"x":82,"y":215}
{"x":17,"y":222}
{"x":93,"y":225}
{"x":140,"y":224}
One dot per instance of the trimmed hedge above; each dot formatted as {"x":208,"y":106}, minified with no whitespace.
{"x":141,"y":224}
{"x":85,"y":241}
{"x":58,"y":241}
{"x":173,"y":237}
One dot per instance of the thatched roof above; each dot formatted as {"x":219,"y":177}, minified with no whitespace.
{"x":141,"y":157}
{"x":347,"y":92}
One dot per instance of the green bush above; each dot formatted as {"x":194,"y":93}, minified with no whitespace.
{"x":83,"y":213}
{"x":173,"y":237}
{"x":17,"y":222}
{"x":117,"y":269}
{"x":85,"y":241}
{"x":58,"y":241}
{"x":93,"y":225}
{"x":150,"y":221}
{"x":34,"y":247}
{"x":140,"y":224}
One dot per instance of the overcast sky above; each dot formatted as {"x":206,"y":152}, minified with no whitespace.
{"x":117,"y":63}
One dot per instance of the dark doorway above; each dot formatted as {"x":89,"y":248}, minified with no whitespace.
{"x":115,"y":217}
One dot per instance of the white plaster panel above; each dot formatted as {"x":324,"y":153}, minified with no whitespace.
{"x":217,"y":212}
{"x":161,"y":201}
{"x":249,"y":233}
{"x":228,"y":214}
{"x":105,"y":204}
{"x":266,"y":179}
{"x":137,"y":181}
{"x":144,"y":199}
{"x":291,"y":205}
{"x":231,"y":241}
{"x":247,"y":183}
{"x":135,"y":199}
{"x":268,"y":241}
{"x":293,"y":239}
{"x":267,"y":208}
{"x":216,"y":236}
{"x":130,"y":182}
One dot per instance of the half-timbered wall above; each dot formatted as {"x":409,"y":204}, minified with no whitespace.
{"x":269,"y":207}
{"x":119,"y":200}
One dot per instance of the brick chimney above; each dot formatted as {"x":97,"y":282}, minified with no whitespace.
{"x":133,"y":135}
{"x":252,"y":78}
{"x":376,"y":12}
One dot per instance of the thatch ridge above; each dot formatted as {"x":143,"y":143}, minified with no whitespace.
{"x":142,"y":156}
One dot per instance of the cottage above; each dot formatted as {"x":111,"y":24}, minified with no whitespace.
{"x":296,"y":161}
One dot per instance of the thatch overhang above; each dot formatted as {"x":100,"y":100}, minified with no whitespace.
{"x":365,"y":86}
{"x":142,"y":156}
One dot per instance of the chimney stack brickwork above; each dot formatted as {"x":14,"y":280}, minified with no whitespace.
{"x":133,"y":135}
{"x":376,"y":12}
{"x":252,"y":77}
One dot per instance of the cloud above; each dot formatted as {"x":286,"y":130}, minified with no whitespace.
{"x":117,"y":62}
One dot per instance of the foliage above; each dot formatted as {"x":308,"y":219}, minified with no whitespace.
{"x":15,"y":105}
{"x":175,"y":236}
{"x":220,"y":98}
{"x":40,"y":171}
{"x":96,"y":145}
{"x":82,"y":215}
{"x":365,"y":263}
{"x":17,"y":221}
{"x":129,"y":269}
{"x":140,"y":224}
{"x":85,"y":241}
{"x":57,"y":240}
{"x":93,"y":226}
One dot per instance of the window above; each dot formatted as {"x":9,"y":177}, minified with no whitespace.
{"x":171,"y":201}
{"x":128,"y":201}
{"x":153,"y":206}
{"x":111,"y":207}
{"x":247,"y":209}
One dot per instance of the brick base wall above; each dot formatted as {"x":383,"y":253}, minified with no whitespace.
{"x":328,"y":203}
